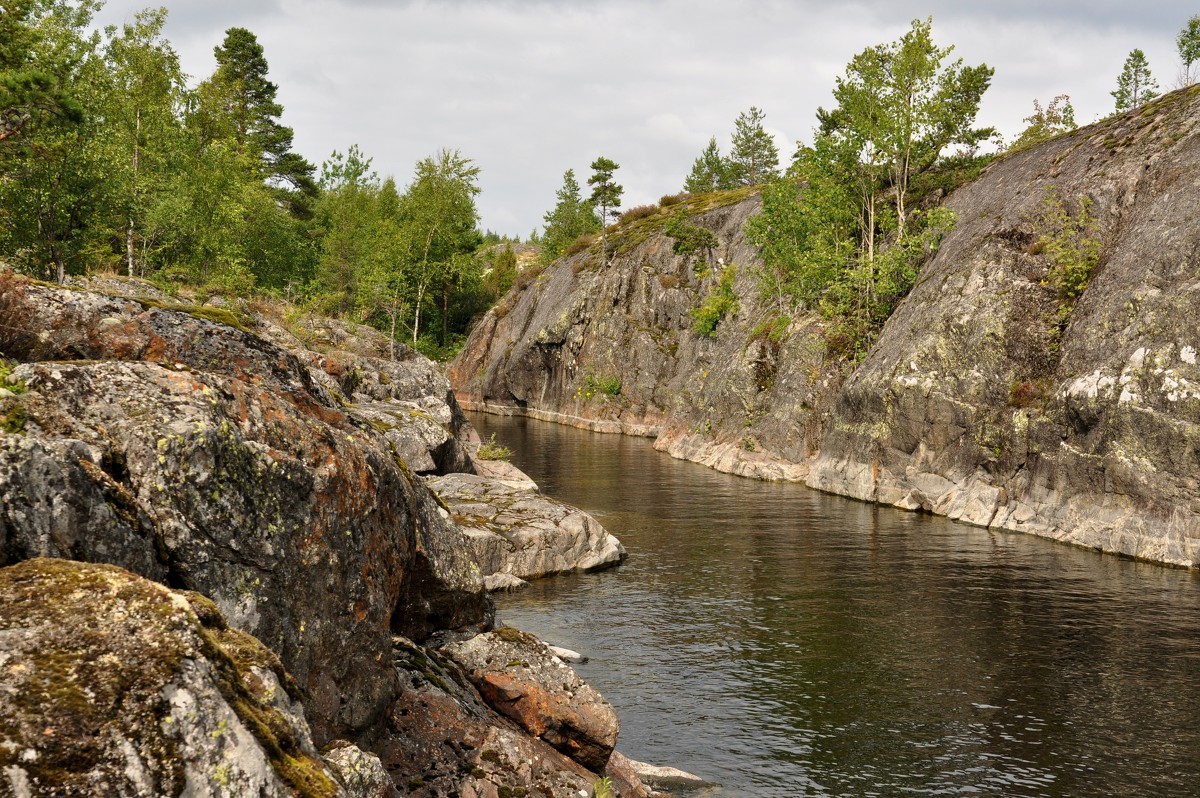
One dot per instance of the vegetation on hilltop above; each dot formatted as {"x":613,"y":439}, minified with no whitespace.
{"x":110,"y":162}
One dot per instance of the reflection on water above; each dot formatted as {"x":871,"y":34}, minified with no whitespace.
{"x":782,"y":642}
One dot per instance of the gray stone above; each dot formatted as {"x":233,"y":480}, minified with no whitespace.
{"x":515,"y":531}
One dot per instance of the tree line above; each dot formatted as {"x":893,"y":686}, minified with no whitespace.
{"x":110,"y":162}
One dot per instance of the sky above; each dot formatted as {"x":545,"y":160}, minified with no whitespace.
{"x":530,"y":88}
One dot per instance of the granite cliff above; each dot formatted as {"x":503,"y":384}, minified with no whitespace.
{"x":986,"y":398}
{"x":223,"y":570}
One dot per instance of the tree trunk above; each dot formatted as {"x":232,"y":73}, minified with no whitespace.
{"x":445,"y":314}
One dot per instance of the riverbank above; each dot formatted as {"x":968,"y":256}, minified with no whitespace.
{"x":988,"y":397}
{"x":763,"y":635}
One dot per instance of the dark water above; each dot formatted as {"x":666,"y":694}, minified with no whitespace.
{"x":781,"y":642}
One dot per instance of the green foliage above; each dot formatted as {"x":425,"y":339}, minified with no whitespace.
{"x":603,"y":788}
{"x":13,"y":420}
{"x":494,"y":451}
{"x":720,"y":302}
{"x":710,"y":171}
{"x":571,"y":218}
{"x":606,"y":194}
{"x":773,"y":329}
{"x":593,"y":386}
{"x":6,"y":368}
{"x":753,"y":158}
{"x":1135,"y":84}
{"x":899,"y":106}
{"x":1069,"y":235}
{"x":1044,"y":123}
{"x":1187,"y":42}
{"x":690,"y":237}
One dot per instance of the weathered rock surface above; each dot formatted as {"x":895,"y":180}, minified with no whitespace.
{"x":453,"y":744}
{"x":985,"y":399}
{"x":518,"y":676}
{"x":280,"y":481}
{"x":978,"y":404}
{"x":114,"y":685}
{"x":516,"y":531}
{"x":743,"y":401}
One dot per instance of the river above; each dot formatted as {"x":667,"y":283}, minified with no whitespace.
{"x":782,"y":642}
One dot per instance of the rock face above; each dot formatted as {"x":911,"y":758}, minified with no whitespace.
{"x":986,"y":401}
{"x":516,"y":674}
{"x":517,"y":532}
{"x":611,"y":348}
{"x":114,"y":685}
{"x":281,"y":482}
{"x":987,"y":398}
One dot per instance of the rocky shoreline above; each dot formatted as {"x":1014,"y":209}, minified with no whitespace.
{"x":986,"y":398}
{"x":231,"y":506}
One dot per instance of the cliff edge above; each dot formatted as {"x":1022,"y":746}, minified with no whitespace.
{"x":989,"y":397}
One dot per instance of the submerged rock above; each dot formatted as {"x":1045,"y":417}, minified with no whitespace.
{"x":111,"y":684}
{"x":515,"y":531}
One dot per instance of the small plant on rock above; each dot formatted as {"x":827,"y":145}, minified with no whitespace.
{"x":1070,"y":237}
{"x":493,"y":450}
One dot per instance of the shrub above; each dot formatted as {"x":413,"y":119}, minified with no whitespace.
{"x":716,"y":306}
{"x":640,"y":212}
{"x":668,"y":200}
{"x":580,"y":244}
{"x":1071,"y":239}
{"x":492,"y":450}
{"x":690,"y":238}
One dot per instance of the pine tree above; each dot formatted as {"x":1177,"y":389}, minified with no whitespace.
{"x":754,"y":158}
{"x":606,"y":194}
{"x":245,"y":102}
{"x":710,"y":171}
{"x":1135,"y":85}
{"x":571,"y":218}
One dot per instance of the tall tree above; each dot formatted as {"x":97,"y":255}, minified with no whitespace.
{"x":27,"y":88}
{"x":438,"y":218}
{"x":570,"y":218}
{"x":1188,"y":44}
{"x":347,"y":218}
{"x":753,"y":158}
{"x":606,"y":195}
{"x":241,"y":104}
{"x":903,"y":106}
{"x":144,"y":127}
{"x":1135,"y":84}
{"x":710,"y":171}
{"x":52,"y":164}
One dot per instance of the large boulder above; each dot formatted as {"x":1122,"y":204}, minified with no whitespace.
{"x":111,"y":684}
{"x":514,"y":531}
{"x":519,"y":677}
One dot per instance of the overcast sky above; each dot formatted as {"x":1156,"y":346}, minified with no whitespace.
{"x":530,"y":88}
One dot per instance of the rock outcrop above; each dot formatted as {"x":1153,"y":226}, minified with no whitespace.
{"x":516,"y":673}
{"x":611,"y":348}
{"x":990,"y":400}
{"x":111,"y":684}
{"x":214,"y":451}
{"x":989,"y":397}
{"x":517,"y":533}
